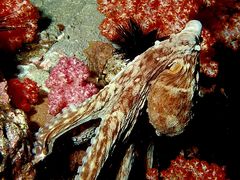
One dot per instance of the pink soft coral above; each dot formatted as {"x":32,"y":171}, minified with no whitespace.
{"x":18,"y":23}
{"x":68,"y":84}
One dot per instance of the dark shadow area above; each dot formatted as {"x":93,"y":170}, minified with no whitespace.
{"x":8,"y":64}
{"x":43,"y":22}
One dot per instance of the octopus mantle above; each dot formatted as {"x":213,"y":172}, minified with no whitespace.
{"x":118,"y":104}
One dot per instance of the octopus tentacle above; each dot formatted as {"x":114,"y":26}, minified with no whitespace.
{"x":118,"y":104}
{"x":110,"y":131}
{"x":126,"y":164}
{"x":68,"y":119}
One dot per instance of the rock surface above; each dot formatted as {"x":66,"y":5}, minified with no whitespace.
{"x":80,"y":20}
{"x":66,"y":27}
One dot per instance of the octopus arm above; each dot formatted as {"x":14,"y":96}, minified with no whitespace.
{"x":68,"y":119}
{"x":126,"y":165}
{"x":113,"y":127}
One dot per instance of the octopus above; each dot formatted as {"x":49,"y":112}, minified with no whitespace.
{"x":173,"y":61}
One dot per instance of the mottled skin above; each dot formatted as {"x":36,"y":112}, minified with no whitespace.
{"x":126,"y":164}
{"x":170,"y":99}
{"x":118,"y":104}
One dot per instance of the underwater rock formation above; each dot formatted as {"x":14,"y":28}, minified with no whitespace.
{"x":4,"y":98}
{"x":15,"y":149}
{"x":104,"y":61}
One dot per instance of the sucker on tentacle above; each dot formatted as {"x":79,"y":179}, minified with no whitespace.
{"x":84,"y":136}
{"x":118,"y":104}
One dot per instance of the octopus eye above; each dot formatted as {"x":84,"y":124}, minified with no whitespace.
{"x":176,"y":67}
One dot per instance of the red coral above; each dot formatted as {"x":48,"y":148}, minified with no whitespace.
{"x":152,"y":174}
{"x":24,"y":93}
{"x":18,"y":23}
{"x":68,"y":84}
{"x":222,"y":18}
{"x":167,"y":16}
{"x":194,"y":168}
{"x":170,"y":16}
